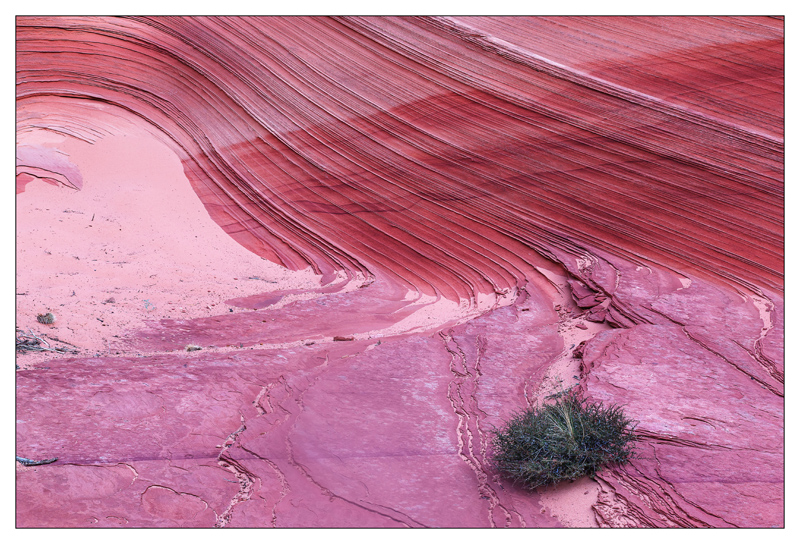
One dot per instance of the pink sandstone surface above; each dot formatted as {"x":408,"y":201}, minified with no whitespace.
{"x":388,"y":235}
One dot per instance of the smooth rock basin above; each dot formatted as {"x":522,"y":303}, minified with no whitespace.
{"x":388,"y":235}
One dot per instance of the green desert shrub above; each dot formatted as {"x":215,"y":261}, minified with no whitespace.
{"x":563,"y":440}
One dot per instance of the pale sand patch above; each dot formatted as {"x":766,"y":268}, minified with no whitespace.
{"x":564,"y":371}
{"x":765,"y":308}
{"x":571,"y":502}
{"x":432,"y":313}
{"x":136,"y":233}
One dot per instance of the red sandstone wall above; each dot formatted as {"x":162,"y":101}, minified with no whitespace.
{"x":634,"y":165}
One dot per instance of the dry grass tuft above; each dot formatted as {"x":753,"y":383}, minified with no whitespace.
{"x":564,"y":440}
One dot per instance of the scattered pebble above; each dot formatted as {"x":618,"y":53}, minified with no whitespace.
{"x":46,"y":319}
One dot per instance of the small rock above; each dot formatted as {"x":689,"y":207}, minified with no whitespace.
{"x":46,"y":319}
{"x":343,"y":338}
{"x":581,"y":326}
{"x":192,"y":347}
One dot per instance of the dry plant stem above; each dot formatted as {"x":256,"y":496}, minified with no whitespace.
{"x":30,"y":342}
{"x":57,"y":339}
{"x":32,"y":463}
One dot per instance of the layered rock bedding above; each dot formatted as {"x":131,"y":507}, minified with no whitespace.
{"x":300,"y":269}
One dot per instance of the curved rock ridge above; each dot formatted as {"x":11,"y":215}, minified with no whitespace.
{"x":471,"y":214}
{"x":425,"y":149}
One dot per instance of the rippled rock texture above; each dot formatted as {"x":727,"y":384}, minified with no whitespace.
{"x":486,"y":206}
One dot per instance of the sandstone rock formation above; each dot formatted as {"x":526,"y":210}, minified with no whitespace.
{"x":426,"y":225}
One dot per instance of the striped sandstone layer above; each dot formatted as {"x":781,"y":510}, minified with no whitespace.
{"x":464,"y":192}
